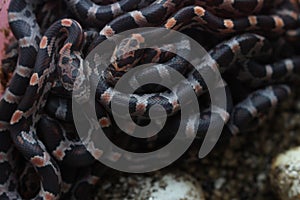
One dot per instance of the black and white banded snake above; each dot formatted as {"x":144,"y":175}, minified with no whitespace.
{"x":63,"y":43}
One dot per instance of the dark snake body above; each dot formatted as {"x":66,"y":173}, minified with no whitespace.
{"x":27,"y":34}
{"x":22,"y":133}
{"x":51,"y":147}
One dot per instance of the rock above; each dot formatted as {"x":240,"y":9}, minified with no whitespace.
{"x":174,"y":185}
{"x":285,"y":174}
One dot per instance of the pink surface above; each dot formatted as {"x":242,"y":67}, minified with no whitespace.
{"x":5,"y":34}
{"x":4,"y":28}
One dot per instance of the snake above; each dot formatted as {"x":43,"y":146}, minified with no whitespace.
{"x":286,"y":18}
{"x":22,"y":132}
{"x":208,"y":21}
{"x":223,"y":55}
{"x":58,"y":107}
{"x":28,"y":91}
{"x":26,"y":31}
{"x":256,"y":74}
{"x":248,"y":113}
{"x":94,"y":15}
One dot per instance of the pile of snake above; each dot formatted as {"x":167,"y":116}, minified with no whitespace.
{"x":253,"y":43}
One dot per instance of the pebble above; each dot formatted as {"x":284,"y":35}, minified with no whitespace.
{"x":219,"y":183}
{"x":285,"y":174}
{"x":171,"y":185}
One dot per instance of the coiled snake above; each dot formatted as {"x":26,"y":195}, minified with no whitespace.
{"x":36,"y":119}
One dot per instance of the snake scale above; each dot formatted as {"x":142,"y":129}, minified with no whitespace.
{"x":242,"y":37}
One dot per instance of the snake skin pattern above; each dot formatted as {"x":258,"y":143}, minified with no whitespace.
{"x":41,"y":154}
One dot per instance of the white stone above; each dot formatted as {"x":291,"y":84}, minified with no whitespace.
{"x":172,"y":187}
{"x":161,"y":185}
{"x":285,"y":174}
